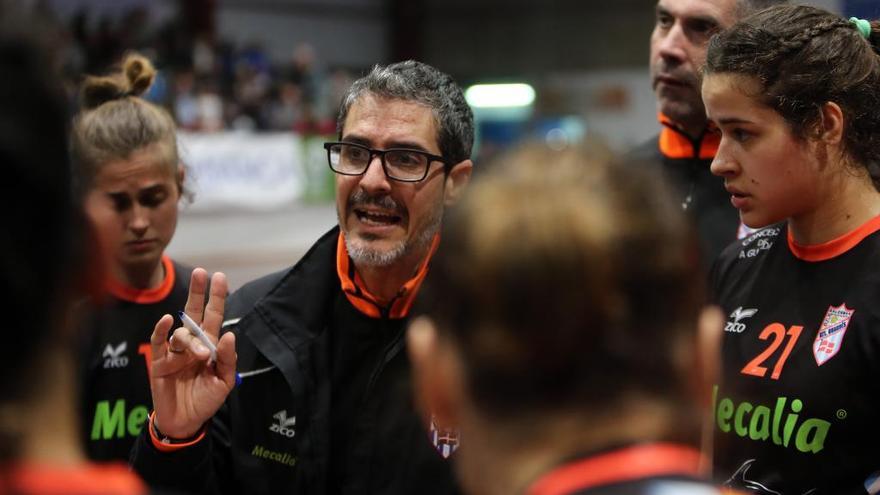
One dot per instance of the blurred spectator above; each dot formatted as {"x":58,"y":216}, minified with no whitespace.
{"x":337,"y":84}
{"x":184,"y":104}
{"x":203,"y":56}
{"x":210,"y":108}
{"x":208,"y":84}
{"x":285,"y":109}
{"x":302,"y":71}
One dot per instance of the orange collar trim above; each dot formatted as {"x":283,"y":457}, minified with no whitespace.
{"x":834,"y":247}
{"x":627,"y":464}
{"x":109,"y":479}
{"x":145,"y":296}
{"x":365,"y":302}
{"x":674,"y":143}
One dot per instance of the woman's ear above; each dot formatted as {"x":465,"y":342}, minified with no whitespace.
{"x":831,"y":125}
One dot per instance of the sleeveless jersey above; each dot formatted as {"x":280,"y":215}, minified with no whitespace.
{"x":796,"y":409}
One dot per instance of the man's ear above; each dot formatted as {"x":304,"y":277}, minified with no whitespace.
{"x":832,"y":123}
{"x":457,"y":181}
{"x":434,"y":374}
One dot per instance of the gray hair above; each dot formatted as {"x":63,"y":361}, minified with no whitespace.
{"x":421,"y":83}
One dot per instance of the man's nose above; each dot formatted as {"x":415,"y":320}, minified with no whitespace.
{"x":374,"y":178}
{"x":671,"y":46}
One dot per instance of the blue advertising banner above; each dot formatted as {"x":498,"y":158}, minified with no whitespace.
{"x":865,"y":9}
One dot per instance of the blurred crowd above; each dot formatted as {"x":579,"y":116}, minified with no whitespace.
{"x":208,"y":83}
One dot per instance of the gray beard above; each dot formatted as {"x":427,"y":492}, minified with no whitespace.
{"x":363,"y":254}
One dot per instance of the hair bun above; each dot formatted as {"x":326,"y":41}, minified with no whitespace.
{"x":139,"y":73}
{"x":135,"y":79}
{"x":99,"y":90}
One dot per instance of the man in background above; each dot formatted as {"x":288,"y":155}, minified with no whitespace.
{"x":687,"y":142}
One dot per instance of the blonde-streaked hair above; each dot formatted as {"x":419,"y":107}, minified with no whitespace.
{"x":115,"y":121}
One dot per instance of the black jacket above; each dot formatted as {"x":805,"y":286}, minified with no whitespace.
{"x":702,"y":194}
{"x":273,"y":434}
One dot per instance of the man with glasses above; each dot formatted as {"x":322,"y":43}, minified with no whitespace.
{"x":323,"y":403}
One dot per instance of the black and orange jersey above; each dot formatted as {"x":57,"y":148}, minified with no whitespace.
{"x":641,"y":469}
{"x":116,"y":357}
{"x":795,"y":411}
{"x":85,"y":479}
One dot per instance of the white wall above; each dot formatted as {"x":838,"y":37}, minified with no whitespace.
{"x":625,"y":124}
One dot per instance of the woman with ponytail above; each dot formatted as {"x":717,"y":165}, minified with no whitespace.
{"x":795,"y":91}
{"x":128,"y":173}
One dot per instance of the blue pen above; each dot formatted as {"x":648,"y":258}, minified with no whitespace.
{"x":200,"y":334}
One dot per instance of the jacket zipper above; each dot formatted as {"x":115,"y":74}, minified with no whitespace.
{"x":694,"y":172}
{"x":389,"y":352}
{"x":686,"y":202}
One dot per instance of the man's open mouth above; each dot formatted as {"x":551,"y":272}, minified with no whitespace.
{"x":377,"y":218}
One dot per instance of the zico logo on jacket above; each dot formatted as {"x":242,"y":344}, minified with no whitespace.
{"x":284,"y":425}
{"x":779,"y":423}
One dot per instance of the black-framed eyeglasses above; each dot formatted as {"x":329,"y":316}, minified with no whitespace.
{"x":400,"y":164}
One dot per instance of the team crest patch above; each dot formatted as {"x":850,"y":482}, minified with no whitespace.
{"x":445,"y":440}
{"x":830,"y":335}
